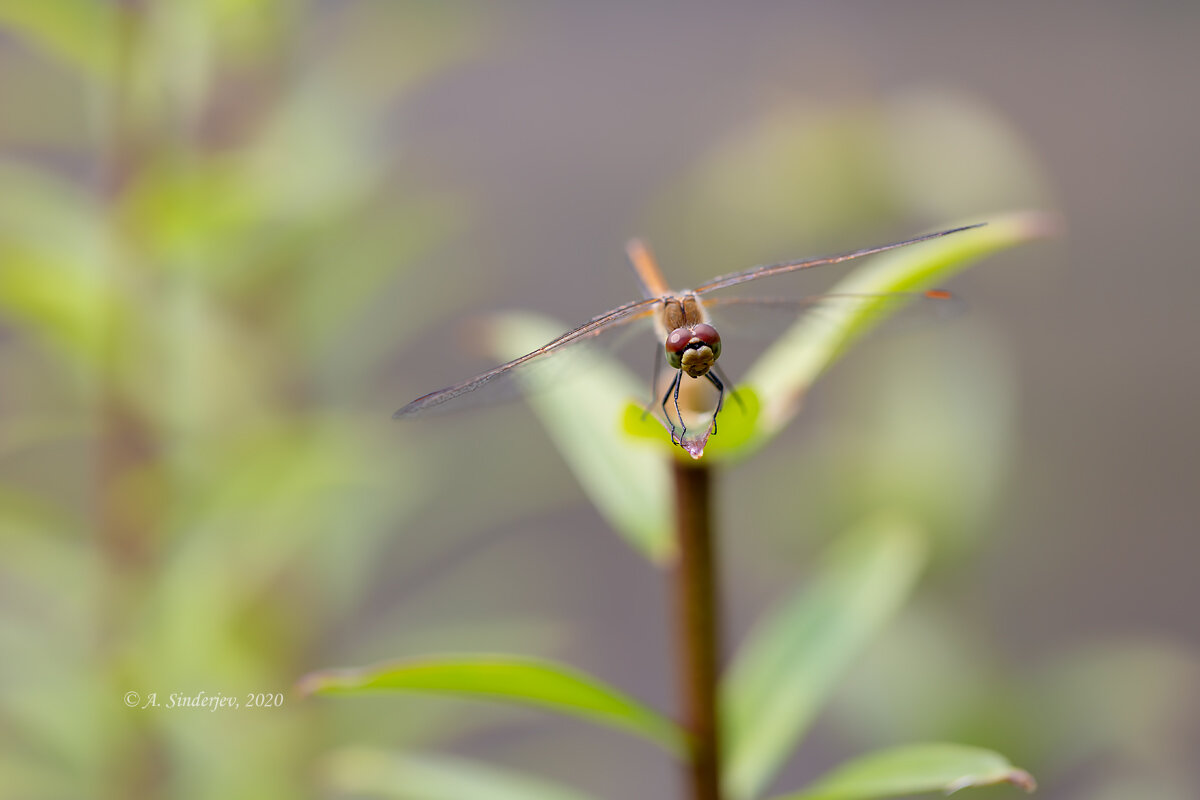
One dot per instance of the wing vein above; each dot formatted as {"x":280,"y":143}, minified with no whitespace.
{"x":734,"y":278}
{"x":620,"y":315}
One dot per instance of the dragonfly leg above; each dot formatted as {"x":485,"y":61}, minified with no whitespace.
{"x":678,"y":413}
{"x":733,"y":392}
{"x":674,"y":387}
{"x":715,"y":381}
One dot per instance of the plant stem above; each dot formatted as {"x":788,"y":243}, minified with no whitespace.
{"x":698,"y":625}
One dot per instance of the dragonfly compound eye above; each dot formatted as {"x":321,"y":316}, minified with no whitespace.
{"x":693,"y":350}
{"x":708,"y":335}
{"x":677,"y":342}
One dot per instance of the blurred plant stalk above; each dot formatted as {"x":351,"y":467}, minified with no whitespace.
{"x":130,"y":484}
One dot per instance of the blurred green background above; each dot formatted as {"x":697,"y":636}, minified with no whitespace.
{"x":235,"y":236}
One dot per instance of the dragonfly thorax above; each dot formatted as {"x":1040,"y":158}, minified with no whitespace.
{"x":693,"y":349}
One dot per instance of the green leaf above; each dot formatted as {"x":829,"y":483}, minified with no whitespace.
{"x":53,"y":263}
{"x":785,"y":671}
{"x":625,"y":478}
{"x":915,"y":768}
{"x":784,"y":372}
{"x":520,"y":680}
{"x":419,"y":776}
{"x":63,"y":303}
{"x":81,"y":33}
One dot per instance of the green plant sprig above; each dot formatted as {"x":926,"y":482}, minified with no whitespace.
{"x":748,"y":720}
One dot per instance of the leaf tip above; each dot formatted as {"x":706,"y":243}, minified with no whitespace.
{"x":1037,"y":224}
{"x":315,"y":682}
{"x":1023,"y":780}
{"x":1013,"y":776}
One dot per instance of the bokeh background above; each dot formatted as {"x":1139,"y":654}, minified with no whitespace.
{"x":235,"y":236}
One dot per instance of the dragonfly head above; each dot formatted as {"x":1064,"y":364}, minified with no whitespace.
{"x":693,"y":349}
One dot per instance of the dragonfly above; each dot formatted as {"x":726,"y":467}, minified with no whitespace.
{"x":691,"y":343}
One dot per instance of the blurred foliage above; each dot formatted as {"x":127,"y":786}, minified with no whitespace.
{"x":628,"y":483}
{"x":193,"y":232}
{"x":428,"y":777}
{"x":211,"y":247}
{"x":832,"y":176}
{"x":902,"y":771}
{"x":783,"y":674}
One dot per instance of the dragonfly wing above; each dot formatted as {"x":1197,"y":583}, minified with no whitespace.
{"x":618,"y":319}
{"x":759,"y":317}
{"x":752,"y":321}
{"x":754,"y":273}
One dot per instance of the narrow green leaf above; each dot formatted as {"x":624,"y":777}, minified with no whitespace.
{"x":785,"y":671}
{"x":53,"y":256}
{"x":519,"y":680}
{"x":915,"y":768}
{"x":625,"y":478}
{"x":64,"y":304}
{"x":420,"y":776}
{"x":81,"y":33}
{"x":786,"y":370}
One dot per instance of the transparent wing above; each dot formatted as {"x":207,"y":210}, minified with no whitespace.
{"x":754,"y":273}
{"x":747,"y":324}
{"x":641,"y":309}
{"x":611,"y":321}
{"x":759,"y":317}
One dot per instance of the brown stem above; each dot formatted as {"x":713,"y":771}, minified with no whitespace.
{"x":697,"y":620}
